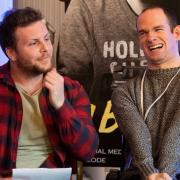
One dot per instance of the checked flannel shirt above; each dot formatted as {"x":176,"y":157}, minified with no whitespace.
{"x":70,"y":129}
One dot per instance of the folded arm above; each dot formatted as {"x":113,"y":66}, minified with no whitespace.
{"x":134,"y":129}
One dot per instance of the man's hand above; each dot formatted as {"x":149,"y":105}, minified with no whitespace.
{"x":159,"y":176}
{"x":54,"y":82}
{"x":8,"y":178}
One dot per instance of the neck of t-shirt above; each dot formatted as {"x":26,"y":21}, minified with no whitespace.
{"x":137,"y":6}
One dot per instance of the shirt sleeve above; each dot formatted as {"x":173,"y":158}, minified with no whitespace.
{"x":134,"y":129}
{"x":170,"y":149}
{"x":76,"y":126}
{"x":76,"y":47}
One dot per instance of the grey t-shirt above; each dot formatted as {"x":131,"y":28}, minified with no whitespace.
{"x":98,"y":38}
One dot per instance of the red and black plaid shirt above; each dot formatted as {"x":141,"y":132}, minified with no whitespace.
{"x":70,"y":129}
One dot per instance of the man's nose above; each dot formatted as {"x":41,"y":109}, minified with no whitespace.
{"x":151,"y":36}
{"x":44,"y":46}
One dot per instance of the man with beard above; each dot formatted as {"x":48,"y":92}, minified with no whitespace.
{"x":147,"y":106}
{"x":44,"y":117}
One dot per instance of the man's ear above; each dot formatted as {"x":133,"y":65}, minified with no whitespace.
{"x":176,"y":32}
{"x":11,"y":53}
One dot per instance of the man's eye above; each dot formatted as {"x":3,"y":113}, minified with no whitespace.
{"x":32,"y":43}
{"x":47,"y":38}
{"x":158,"y":29}
{"x":141,"y":33}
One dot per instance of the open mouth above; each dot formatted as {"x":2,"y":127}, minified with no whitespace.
{"x":155,"y":47}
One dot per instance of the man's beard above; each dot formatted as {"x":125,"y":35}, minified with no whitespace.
{"x":41,"y":70}
{"x":35,"y":69}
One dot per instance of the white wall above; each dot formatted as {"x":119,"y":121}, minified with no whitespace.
{"x":4,"y":5}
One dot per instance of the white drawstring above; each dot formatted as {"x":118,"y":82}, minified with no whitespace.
{"x":142,"y":96}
